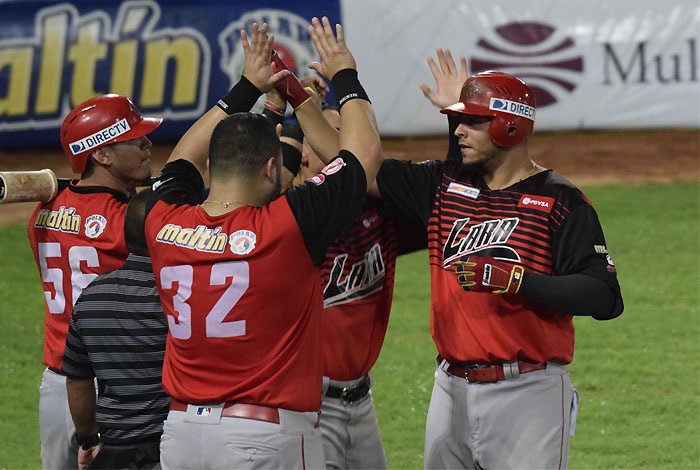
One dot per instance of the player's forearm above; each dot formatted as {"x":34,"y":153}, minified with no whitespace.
{"x":320,"y":134}
{"x":82,"y":403}
{"x":575,"y":294}
{"x":194,"y":145}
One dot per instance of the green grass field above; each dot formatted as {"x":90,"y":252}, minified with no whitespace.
{"x":638,"y":375}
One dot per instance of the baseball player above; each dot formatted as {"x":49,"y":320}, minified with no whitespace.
{"x":78,"y":234}
{"x":515,"y":251}
{"x":238,"y":274}
{"x":357,"y":281}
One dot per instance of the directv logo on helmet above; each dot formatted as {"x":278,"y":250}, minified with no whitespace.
{"x":512,"y":107}
{"x":100,"y":137}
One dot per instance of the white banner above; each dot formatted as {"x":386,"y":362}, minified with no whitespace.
{"x":592,"y":64}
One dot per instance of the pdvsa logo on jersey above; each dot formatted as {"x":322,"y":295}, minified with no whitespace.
{"x":469,"y":191}
{"x":539,"y":203}
{"x":242,"y":242}
{"x":333,"y":167}
{"x":534,"y":52}
{"x":95,"y":225}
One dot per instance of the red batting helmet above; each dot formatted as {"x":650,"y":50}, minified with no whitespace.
{"x":505,"y":97}
{"x":99,"y":121}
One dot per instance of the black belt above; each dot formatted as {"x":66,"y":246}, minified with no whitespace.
{"x":57,"y":371}
{"x":351,"y":394}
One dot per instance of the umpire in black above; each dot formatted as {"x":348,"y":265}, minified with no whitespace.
{"x":117,"y":335}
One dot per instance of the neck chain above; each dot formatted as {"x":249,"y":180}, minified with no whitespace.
{"x":225,"y":203}
{"x":533,"y":168}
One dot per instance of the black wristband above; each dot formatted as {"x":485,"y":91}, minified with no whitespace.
{"x":291,"y":158}
{"x":272,"y":116}
{"x":241,"y":98}
{"x":347,"y":87}
{"x":87,"y":442}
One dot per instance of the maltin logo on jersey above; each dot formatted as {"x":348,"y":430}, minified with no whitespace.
{"x":95,"y":225}
{"x":242,"y":242}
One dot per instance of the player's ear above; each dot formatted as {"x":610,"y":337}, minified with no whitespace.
{"x":270,"y":168}
{"x":102,"y":156}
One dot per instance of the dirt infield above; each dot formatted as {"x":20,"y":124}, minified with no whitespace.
{"x":585,"y":158}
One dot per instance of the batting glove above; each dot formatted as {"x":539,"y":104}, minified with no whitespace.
{"x":290,"y":88}
{"x":483,"y":274}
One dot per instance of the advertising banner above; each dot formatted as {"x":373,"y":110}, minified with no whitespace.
{"x":592,"y":65}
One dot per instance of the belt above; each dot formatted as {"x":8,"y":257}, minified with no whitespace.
{"x":238,"y":410}
{"x":242,"y":410}
{"x":489,"y":373}
{"x":56,"y":371}
{"x":349,"y":395}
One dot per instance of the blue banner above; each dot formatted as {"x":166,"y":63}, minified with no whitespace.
{"x":173,"y":59}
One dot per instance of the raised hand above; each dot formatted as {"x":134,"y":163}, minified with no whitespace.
{"x":448,"y":80}
{"x":334,"y":53}
{"x":484,"y":274}
{"x":258,"y":56}
{"x":318,"y":85}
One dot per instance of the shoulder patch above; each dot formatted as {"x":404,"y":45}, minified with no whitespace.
{"x":242,"y":242}
{"x":333,"y":167}
{"x":317,"y":180}
{"x":95,"y":225}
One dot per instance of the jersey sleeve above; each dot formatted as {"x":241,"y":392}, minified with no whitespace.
{"x":328,"y":203}
{"x":579,"y":248}
{"x":76,"y":362}
{"x":179,"y":183}
{"x":408,"y":189}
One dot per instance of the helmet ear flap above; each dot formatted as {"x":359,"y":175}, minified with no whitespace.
{"x":508,"y":132}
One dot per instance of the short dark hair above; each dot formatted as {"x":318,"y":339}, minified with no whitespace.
{"x":241,"y":144}
{"x":133,"y":223}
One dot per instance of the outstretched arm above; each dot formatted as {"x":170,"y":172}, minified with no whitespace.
{"x":358,"y":126}
{"x":257,"y":78}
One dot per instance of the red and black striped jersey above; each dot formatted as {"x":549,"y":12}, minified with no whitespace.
{"x":543,"y":223}
{"x":241,"y":291}
{"x":75,"y":236}
{"x":358,"y":284}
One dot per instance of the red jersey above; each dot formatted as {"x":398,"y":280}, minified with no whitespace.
{"x":240,"y":291}
{"x":358,"y":282}
{"x":543,"y":223}
{"x":76,"y":236}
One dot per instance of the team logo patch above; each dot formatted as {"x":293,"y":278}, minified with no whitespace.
{"x":242,"y":242}
{"x":95,"y":225}
{"x":317,"y":180}
{"x":512,"y":107}
{"x":469,"y":191}
{"x":368,"y":221}
{"x":100,"y":137}
{"x":539,"y":203}
{"x":333,"y":167}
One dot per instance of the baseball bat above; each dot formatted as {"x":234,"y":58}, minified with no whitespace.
{"x":36,"y":186}
{"x":26,"y":186}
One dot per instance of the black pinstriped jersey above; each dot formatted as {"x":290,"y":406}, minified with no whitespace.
{"x":543,"y":223}
{"x":117,"y":333}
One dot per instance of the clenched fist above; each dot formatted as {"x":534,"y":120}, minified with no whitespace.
{"x":484,"y":274}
